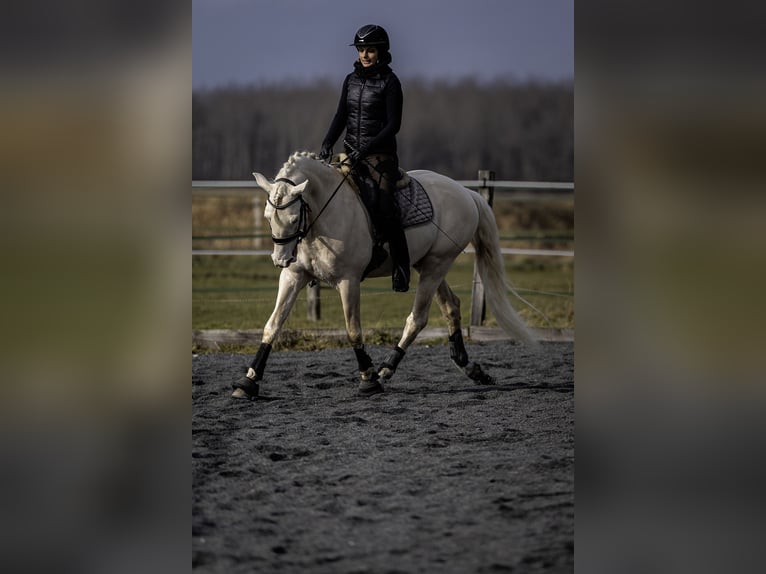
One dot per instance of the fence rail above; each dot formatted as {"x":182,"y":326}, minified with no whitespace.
{"x":486,"y":185}
{"x":472,"y":183}
{"x":503,"y":250}
{"x":518,"y":190}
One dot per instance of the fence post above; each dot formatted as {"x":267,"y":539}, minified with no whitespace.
{"x":313,"y":302}
{"x":478,"y":307}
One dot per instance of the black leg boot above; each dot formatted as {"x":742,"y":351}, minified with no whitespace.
{"x":397,"y":242}
{"x":400,"y":258}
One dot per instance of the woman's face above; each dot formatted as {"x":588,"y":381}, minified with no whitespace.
{"x":368,"y":55}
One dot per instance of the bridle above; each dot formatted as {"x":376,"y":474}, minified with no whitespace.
{"x":302,"y":218}
{"x":303,"y":229}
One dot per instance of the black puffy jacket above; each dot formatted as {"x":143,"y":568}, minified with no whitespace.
{"x":370,"y":110}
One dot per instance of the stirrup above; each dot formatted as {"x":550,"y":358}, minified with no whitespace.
{"x":400,"y":282}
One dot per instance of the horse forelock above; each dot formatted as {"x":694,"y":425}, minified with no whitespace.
{"x":279,"y":194}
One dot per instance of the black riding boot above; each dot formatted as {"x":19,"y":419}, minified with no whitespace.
{"x":387,"y":214}
{"x":397,"y":243}
{"x":400,"y":258}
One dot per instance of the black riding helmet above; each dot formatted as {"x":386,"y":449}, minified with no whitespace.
{"x":371,"y":35}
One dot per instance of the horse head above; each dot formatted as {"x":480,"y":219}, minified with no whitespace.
{"x":287,"y":214}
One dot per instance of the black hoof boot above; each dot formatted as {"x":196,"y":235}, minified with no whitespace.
{"x":369,"y":388}
{"x":245,"y":388}
{"x":475,"y":372}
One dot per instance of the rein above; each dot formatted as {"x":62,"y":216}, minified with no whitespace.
{"x":303,"y":231}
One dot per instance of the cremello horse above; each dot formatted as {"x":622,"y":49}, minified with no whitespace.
{"x":321,"y":231}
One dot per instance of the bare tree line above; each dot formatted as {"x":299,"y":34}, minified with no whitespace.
{"x":521,"y":131}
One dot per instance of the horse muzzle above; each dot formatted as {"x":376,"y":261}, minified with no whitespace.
{"x":283,"y":257}
{"x":283,"y":263}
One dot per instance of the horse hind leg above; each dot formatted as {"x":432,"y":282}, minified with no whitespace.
{"x":416,"y":321}
{"x":449,"y":303}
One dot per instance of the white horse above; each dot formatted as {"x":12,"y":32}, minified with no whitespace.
{"x":322,"y":231}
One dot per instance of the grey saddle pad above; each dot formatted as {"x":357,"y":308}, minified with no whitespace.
{"x":414,"y":204}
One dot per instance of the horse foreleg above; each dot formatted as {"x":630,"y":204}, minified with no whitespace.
{"x":350,"y":298}
{"x":290,"y":284}
{"x":450,"y":308}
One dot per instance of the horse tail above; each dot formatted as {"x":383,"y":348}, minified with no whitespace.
{"x":486,"y":242}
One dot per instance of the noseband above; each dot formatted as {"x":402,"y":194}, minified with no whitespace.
{"x":302,"y":219}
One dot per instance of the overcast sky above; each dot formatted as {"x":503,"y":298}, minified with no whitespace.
{"x":271,"y":41}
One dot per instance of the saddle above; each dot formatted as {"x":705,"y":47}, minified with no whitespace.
{"x":413,"y":204}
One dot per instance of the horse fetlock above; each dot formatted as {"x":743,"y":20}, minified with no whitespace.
{"x":363,"y":359}
{"x":370,"y":375}
{"x":388,"y":367}
{"x":255,"y":372}
{"x":385,"y":373}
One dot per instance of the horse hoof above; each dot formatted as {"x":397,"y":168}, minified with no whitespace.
{"x":245,"y":388}
{"x":475,"y":373}
{"x":385,"y":373}
{"x":369,"y":388}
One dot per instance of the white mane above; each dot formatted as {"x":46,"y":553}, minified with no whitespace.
{"x":304,"y":162}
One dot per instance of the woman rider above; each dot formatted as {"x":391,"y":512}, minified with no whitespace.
{"x":370,"y":110}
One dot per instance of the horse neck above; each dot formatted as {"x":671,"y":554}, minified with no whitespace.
{"x":323,"y":183}
{"x":319,"y":176}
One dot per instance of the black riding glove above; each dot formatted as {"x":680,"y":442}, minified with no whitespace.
{"x":326,"y":153}
{"x":356,"y":155}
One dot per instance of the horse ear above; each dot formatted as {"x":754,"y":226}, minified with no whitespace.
{"x":300,"y":188}
{"x":263,"y":182}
